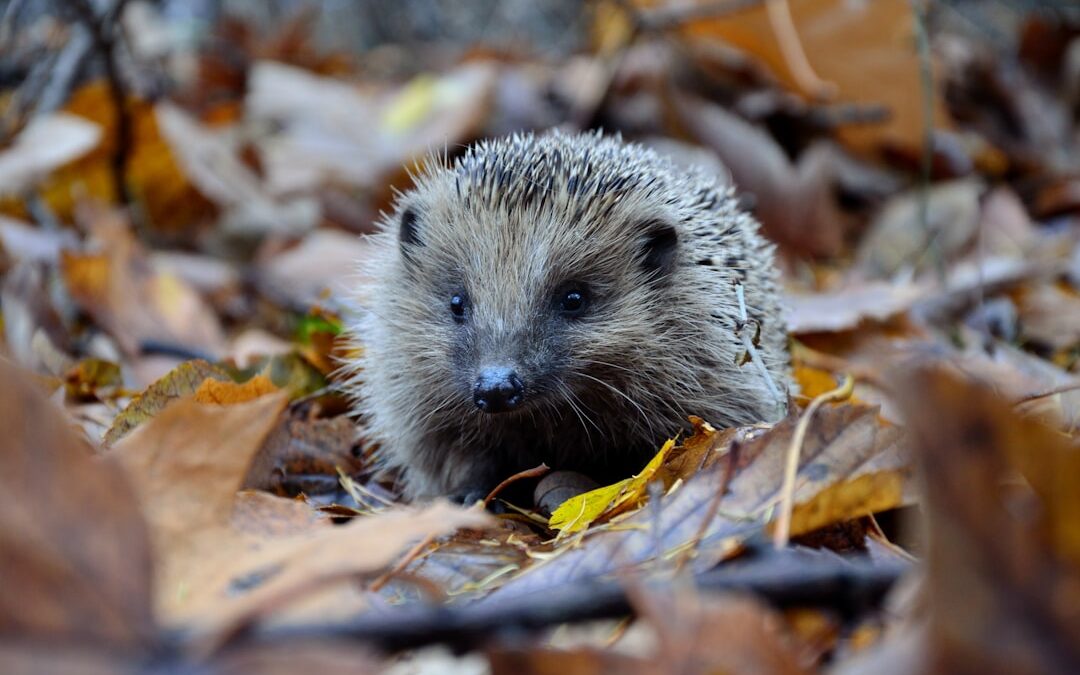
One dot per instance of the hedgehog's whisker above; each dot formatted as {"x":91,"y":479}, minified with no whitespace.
{"x":573,"y":401}
{"x":629,"y":400}
{"x":596,"y":362}
{"x":431,"y":413}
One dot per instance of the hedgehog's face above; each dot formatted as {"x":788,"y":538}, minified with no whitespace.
{"x":527,"y":311}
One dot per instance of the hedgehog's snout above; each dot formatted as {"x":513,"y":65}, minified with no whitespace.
{"x":498,"y":389}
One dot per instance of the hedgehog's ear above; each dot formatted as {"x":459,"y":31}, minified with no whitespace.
{"x":408,"y":231}
{"x":659,"y":248}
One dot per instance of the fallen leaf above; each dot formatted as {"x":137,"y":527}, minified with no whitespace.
{"x":47,"y":143}
{"x":996,"y":544}
{"x":604,"y":503}
{"x":21,"y":241}
{"x":170,"y":203}
{"x":224,"y":392}
{"x":76,"y":555}
{"x":851,"y":465}
{"x":218,"y":569}
{"x":846,"y":308}
{"x":182,"y":381}
{"x":703,"y":632}
{"x":1049,"y":315}
{"x":324,"y":260}
{"x":899,"y":238}
{"x":301,"y":450}
{"x":867,"y":50}
{"x":120,"y":289}
{"x":795,"y":202}
{"x":211,"y":161}
{"x":326,"y":125}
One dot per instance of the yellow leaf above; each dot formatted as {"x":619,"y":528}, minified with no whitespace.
{"x":228,"y":393}
{"x":411,"y":106}
{"x":812,"y":381}
{"x":577,"y":513}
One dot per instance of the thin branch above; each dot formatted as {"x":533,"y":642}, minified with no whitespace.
{"x":104,"y":31}
{"x":787,"y":492}
{"x":1061,"y":389}
{"x":534,"y":472}
{"x":748,"y":343}
{"x":793,"y":578}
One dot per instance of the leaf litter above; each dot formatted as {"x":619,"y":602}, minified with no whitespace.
{"x":183,"y":476}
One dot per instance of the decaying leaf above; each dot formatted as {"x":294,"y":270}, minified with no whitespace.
{"x":304,"y":455}
{"x":851,"y":465}
{"x":182,"y":381}
{"x":1004,"y":529}
{"x":214,"y":570}
{"x":866,"y":50}
{"x":118,"y":287}
{"x":230,"y":393}
{"x":76,"y":559}
{"x":899,"y":238}
{"x":846,"y":308}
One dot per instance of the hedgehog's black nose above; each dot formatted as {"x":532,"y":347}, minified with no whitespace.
{"x":498,"y":390}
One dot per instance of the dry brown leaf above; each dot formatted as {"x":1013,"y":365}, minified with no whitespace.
{"x":219,"y":566}
{"x":120,"y":289}
{"x":1050,"y":315}
{"x":795,"y":202}
{"x":211,"y":161}
{"x":170,"y":202}
{"x":867,"y":50}
{"x":75,"y":558}
{"x":333,"y":132}
{"x":326,"y":260}
{"x":30,"y":320}
{"x":22,"y":241}
{"x":302,"y":449}
{"x":189,"y":461}
{"x":701,"y":632}
{"x":898,"y":238}
{"x":851,"y":465}
{"x":846,"y":308}
{"x":1004,"y":555}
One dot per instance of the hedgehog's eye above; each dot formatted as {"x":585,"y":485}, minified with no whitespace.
{"x":458,"y":303}
{"x":572,"y":301}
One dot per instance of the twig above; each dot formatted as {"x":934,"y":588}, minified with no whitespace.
{"x":755,"y":357}
{"x":534,"y":472}
{"x":795,"y":578}
{"x":389,"y":574}
{"x":791,"y":48}
{"x":787,"y":491}
{"x":67,"y":68}
{"x":8,"y":21}
{"x":103,"y":32}
{"x":926,"y":81}
{"x":1061,"y":389}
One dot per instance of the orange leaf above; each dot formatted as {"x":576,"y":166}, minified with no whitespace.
{"x":228,"y":393}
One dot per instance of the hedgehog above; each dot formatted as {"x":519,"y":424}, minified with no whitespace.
{"x":570,"y":299}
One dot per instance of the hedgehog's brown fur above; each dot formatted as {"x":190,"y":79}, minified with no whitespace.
{"x":662,"y":252}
